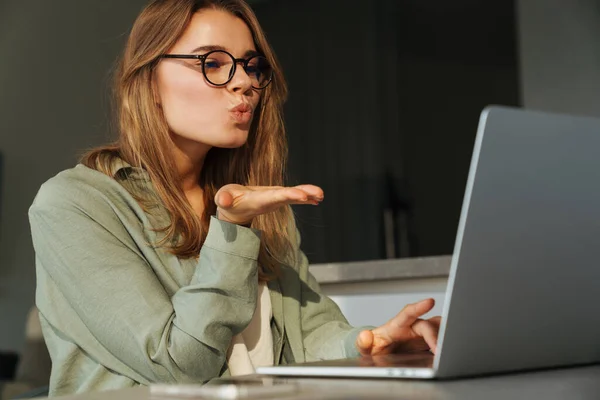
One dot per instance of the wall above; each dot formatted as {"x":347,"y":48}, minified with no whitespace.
{"x":384,"y":103}
{"x":339,"y":58}
{"x":374,"y":303}
{"x":56,"y":57}
{"x":455,"y":58}
{"x":560,"y":55}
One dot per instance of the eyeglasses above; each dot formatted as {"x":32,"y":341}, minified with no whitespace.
{"x":219,"y":67}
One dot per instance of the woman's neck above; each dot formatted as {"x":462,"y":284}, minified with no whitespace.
{"x":189,"y":160}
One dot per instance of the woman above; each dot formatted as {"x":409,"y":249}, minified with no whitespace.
{"x":172,"y":255}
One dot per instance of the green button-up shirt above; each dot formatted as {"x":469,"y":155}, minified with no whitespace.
{"x":118,"y":311}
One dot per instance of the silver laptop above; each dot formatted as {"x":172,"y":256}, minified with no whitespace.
{"x":524,"y":285}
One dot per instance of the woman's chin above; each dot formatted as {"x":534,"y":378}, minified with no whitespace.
{"x":234,"y":143}
{"x":225,"y":140}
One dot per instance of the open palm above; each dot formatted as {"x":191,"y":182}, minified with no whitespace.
{"x":240,"y":204}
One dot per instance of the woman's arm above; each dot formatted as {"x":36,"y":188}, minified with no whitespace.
{"x":326,"y":332}
{"x":84,"y":246}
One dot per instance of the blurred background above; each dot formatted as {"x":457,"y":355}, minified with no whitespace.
{"x":384,"y":104}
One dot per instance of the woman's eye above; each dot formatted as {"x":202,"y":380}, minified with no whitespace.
{"x":210,"y":64}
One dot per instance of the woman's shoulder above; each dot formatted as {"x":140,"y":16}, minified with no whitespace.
{"x":80,"y":186}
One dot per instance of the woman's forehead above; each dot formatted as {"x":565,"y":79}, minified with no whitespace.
{"x":212,"y":27}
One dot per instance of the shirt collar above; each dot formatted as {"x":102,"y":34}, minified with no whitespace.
{"x":122,"y":170}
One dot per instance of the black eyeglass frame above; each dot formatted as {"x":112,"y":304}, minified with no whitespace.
{"x":236,"y":61}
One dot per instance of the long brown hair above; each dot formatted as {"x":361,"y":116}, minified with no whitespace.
{"x":144,"y":140}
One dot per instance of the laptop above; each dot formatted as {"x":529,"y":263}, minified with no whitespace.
{"x":525,"y":274}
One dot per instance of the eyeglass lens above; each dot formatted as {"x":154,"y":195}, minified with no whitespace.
{"x":218,"y":68}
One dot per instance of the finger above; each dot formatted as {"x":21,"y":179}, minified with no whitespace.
{"x":268,"y":199}
{"x":303,"y":203}
{"x":436,"y":321}
{"x":364,"y":342}
{"x":224,"y":199}
{"x":300,"y":193}
{"x":411,"y":312}
{"x":428,"y":331}
{"x":263,"y":199}
{"x":283,"y":196}
{"x":312,"y":191}
{"x":294,"y":194}
{"x":227,"y":195}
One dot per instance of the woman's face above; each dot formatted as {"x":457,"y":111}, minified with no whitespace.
{"x":201,"y":115}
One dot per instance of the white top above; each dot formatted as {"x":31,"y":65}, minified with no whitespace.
{"x":254,"y":346}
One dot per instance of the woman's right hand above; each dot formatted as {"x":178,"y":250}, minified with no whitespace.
{"x":240,"y":204}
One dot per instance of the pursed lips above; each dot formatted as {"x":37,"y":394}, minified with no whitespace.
{"x":242,"y":113}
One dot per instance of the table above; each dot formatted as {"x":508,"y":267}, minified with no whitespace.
{"x":568,"y":383}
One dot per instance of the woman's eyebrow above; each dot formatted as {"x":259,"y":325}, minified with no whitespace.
{"x":251,"y":53}
{"x":248,"y":53}
{"x":208,"y":48}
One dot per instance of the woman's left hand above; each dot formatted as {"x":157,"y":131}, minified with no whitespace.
{"x":405,"y":333}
